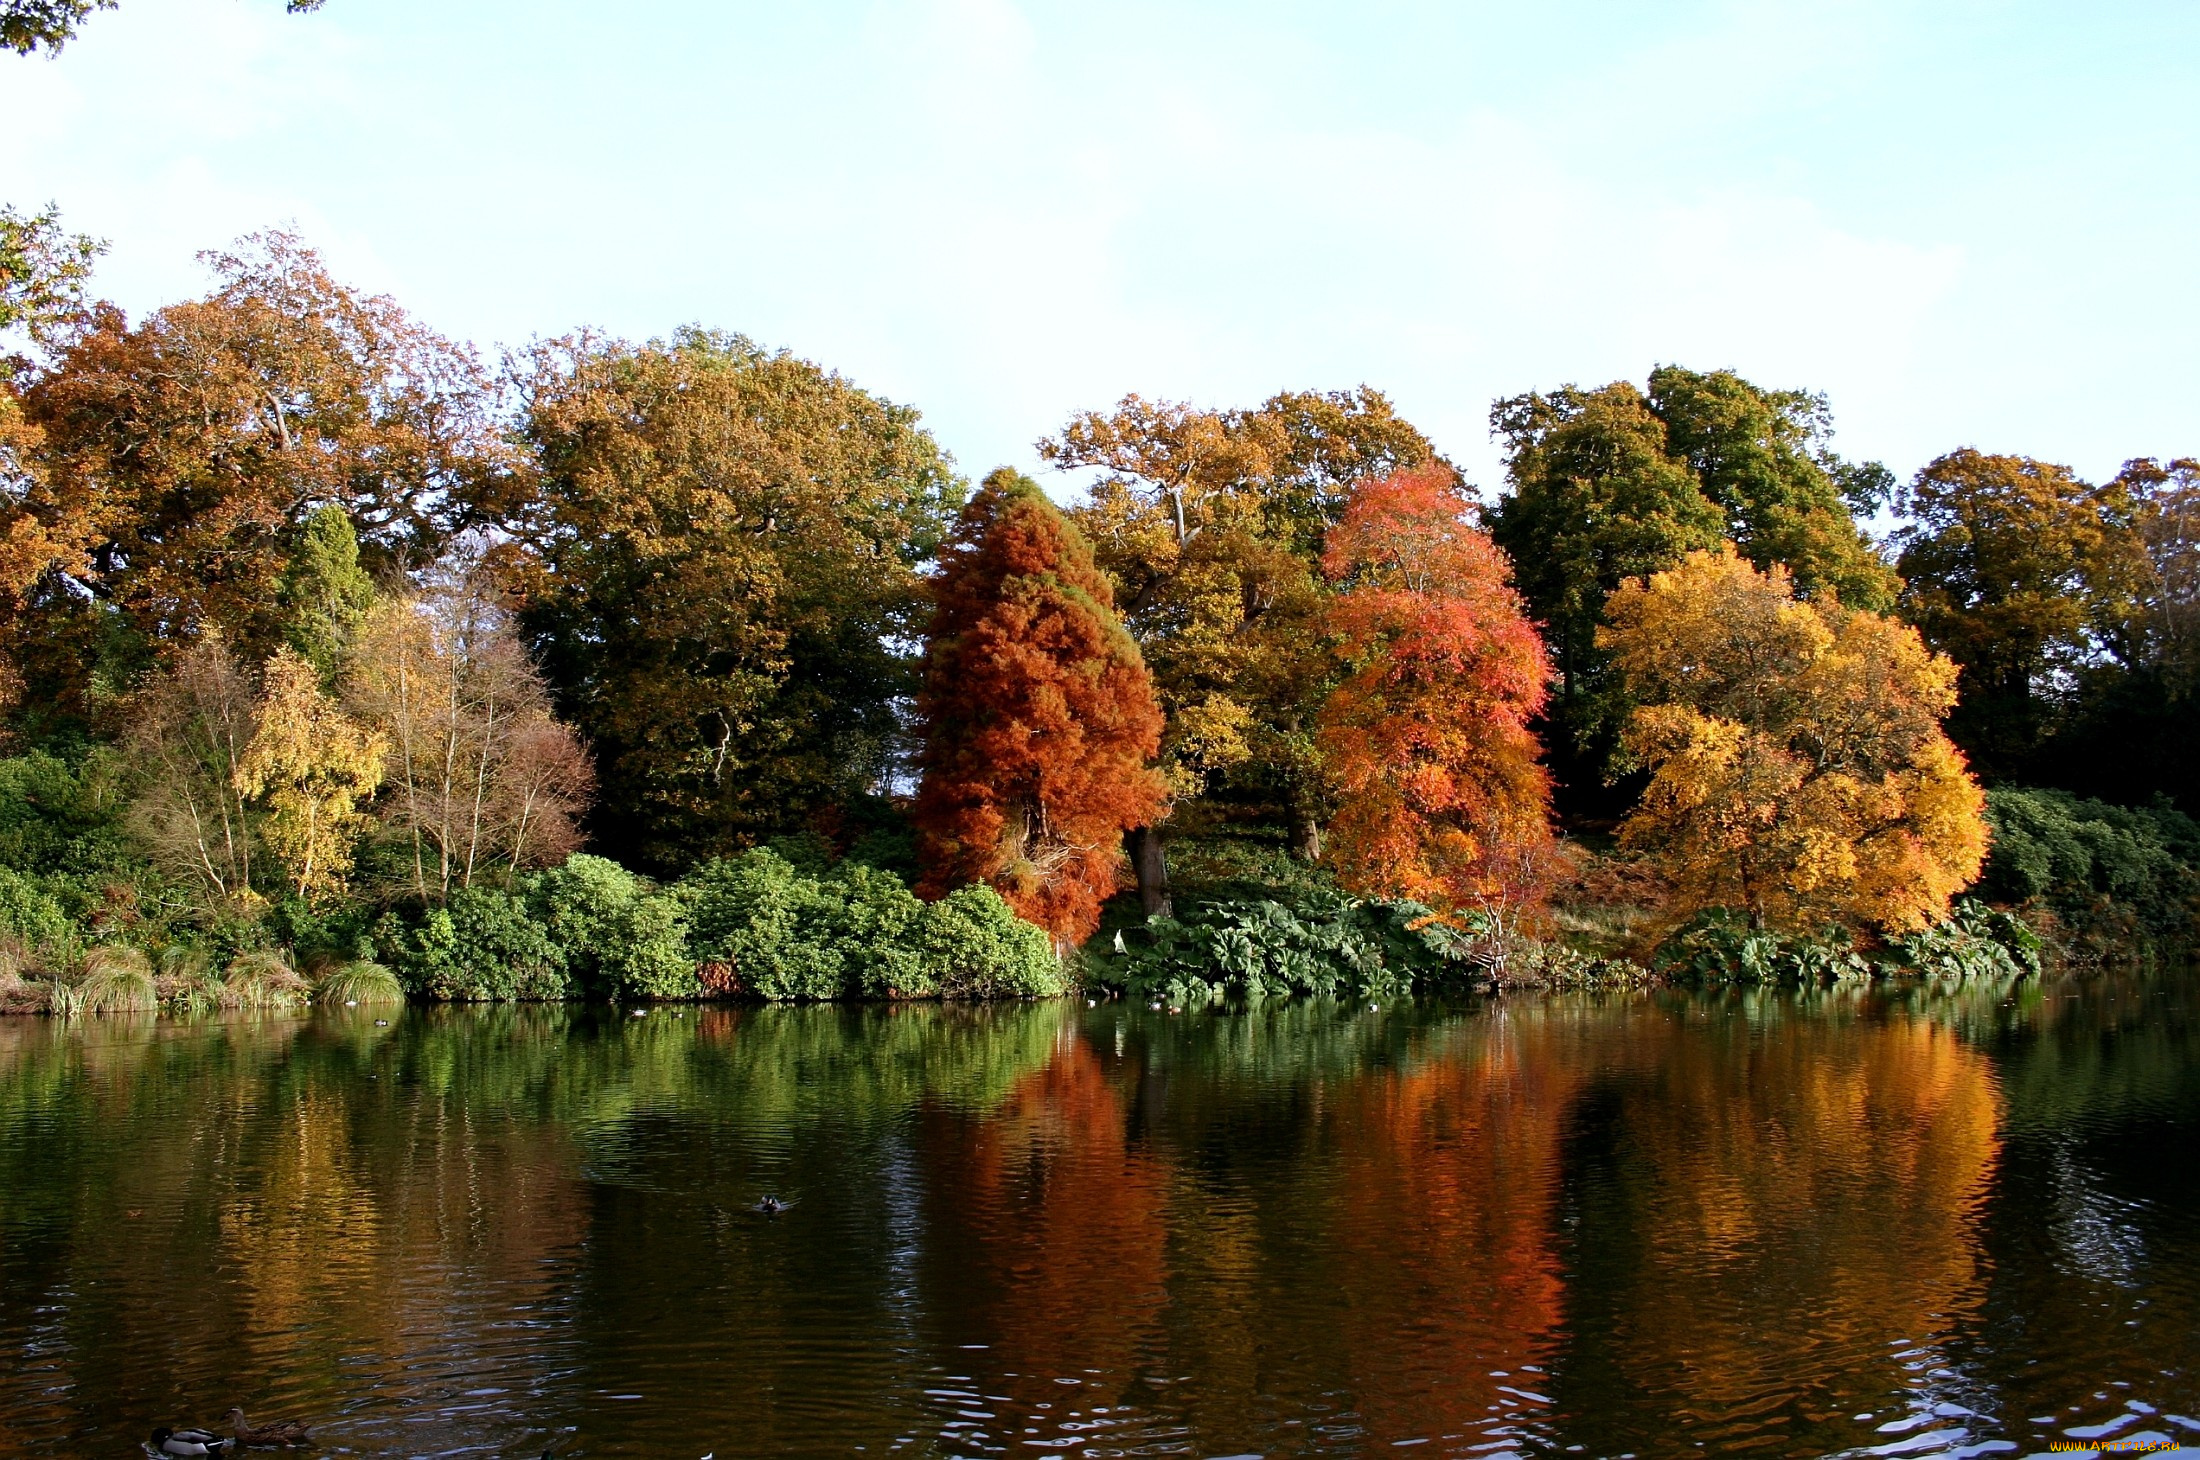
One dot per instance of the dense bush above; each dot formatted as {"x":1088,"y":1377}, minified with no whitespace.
{"x":1719,"y":946}
{"x":1313,"y":942}
{"x":2107,"y":873}
{"x":621,"y":935}
{"x":485,"y":944}
{"x":781,"y":931}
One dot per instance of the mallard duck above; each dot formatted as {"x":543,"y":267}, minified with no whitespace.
{"x":166,"y":1441}
{"x":283,"y":1432}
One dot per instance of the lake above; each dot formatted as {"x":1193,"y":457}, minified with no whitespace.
{"x":1908,"y":1223}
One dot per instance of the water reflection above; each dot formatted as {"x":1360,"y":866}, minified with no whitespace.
{"x":1945,"y":1221}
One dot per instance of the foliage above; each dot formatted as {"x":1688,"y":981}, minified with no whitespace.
{"x":1210,"y":525}
{"x":323,"y":593}
{"x":116,"y":981}
{"x":1442,"y":795}
{"x":28,"y":26}
{"x":2108,"y":873}
{"x":1610,"y":484}
{"x":719,"y":566}
{"x":1974,"y":941}
{"x":1323,"y":944}
{"x":312,"y":766}
{"x":621,"y":935}
{"x":189,"y":738}
{"x":1039,"y":717}
{"x":360,"y":982}
{"x":782,"y":933}
{"x":483,"y":943}
{"x":1797,"y":768}
{"x":43,"y":269}
{"x":482,"y":778}
{"x":2022,"y":574}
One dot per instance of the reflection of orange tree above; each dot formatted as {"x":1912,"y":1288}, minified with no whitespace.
{"x":1053,"y":1242}
{"x":1443,"y":1213}
{"x":1802,"y":1196}
{"x":1392,"y":1240}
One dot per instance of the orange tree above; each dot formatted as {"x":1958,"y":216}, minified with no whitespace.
{"x":1039,"y":717}
{"x":1798,"y":772}
{"x":1442,"y":794}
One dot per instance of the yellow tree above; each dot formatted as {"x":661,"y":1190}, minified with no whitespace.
{"x":1798,"y":768}
{"x":311,"y":766}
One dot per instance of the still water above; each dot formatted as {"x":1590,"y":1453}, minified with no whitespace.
{"x":1931,"y":1223}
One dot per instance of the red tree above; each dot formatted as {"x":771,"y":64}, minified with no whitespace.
{"x":1039,"y":718}
{"x":1443,"y":797}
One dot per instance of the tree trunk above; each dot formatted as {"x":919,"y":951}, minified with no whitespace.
{"x":1306,"y":836}
{"x":1151,"y":863}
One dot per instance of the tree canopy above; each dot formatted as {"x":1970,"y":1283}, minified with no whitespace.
{"x":1607,"y":484}
{"x":719,"y":573}
{"x":1798,"y":772}
{"x":1038,"y":716}
{"x":1427,"y":739}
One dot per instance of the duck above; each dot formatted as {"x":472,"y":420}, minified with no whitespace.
{"x":284,"y":1432}
{"x":166,"y":1441}
{"x":772,"y":1206}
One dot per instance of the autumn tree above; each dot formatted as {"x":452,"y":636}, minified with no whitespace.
{"x":2024,"y":575}
{"x":178,"y":462}
{"x":1798,"y":771}
{"x":716,"y":576}
{"x":1210,"y":525}
{"x":1442,"y":796}
{"x":313,"y":768}
{"x":190,"y":730}
{"x":1039,"y":717}
{"x":1607,"y":484}
{"x":480,"y":778}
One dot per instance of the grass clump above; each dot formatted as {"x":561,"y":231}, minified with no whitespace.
{"x":359,"y":982}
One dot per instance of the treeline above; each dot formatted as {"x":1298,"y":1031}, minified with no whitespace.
{"x":324,"y":639}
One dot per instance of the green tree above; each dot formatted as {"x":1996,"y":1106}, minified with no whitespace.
{"x":2025,"y":575}
{"x":324,"y":594}
{"x":719,"y":577}
{"x":1608,"y":484}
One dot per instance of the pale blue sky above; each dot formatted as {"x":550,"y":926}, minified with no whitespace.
{"x":1971,"y":223}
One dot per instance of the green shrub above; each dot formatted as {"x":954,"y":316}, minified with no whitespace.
{"x":30,"y":913}
{"x":116,"y":981}
{"x":2109,"y":873}
{"x":973,"y":946}
{"x":1975,"y":941}
{"x":790,"y":933}
{"x":264,"y":980}
{"x":619,"y":934}
{"x":484,"y":944}
{"x":854,"y":931}
{"x":359,"y":982}
{"x":1321,"y":942}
